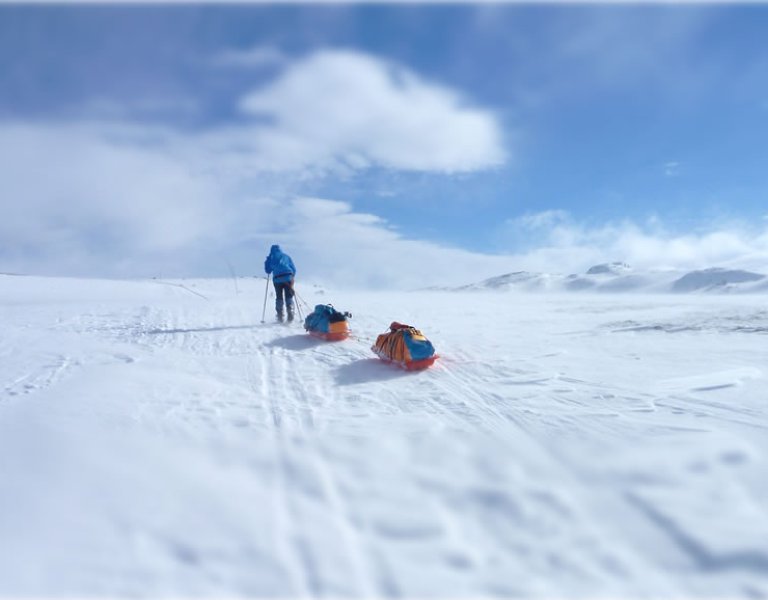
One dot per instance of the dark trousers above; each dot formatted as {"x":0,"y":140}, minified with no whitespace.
{"x":287,"y":289}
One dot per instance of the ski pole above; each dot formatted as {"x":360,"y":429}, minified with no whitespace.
{"x":302,"y":300}
{"x":266,"y":291}
{"x":298,"y":308}
{"x":298,"y":304}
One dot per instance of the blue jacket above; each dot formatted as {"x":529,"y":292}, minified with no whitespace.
{"x":280,"y":265}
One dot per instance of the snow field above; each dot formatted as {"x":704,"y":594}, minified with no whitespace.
{"x":157,"y":439}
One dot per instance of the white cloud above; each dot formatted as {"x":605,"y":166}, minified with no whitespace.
{"x":332,"y":242}
{"x":108,"y":200}
{"x":116,"y":200}
{"x":83,"y":195}
{"x":564,"y":245}
{"x":334,"y":113}
{"x":104,"y":199}
{"x":116,"y":197}
{"x":355,"y":109}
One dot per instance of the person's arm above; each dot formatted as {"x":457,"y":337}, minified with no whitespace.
{"x":267,"y":266}
{"x":293,"y":267}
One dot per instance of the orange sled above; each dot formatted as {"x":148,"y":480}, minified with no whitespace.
{"x":336,"y":332}
{"x":406,"y":347}
{"x":327,"y":323}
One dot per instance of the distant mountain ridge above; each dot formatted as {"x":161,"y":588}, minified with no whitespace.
{"x":620,"y":277}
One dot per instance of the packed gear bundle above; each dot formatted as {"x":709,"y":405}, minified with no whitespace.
{"x":327,"y":323}
{"x":405,"y":346}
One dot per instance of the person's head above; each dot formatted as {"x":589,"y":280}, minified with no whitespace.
{"x":274,"y":249}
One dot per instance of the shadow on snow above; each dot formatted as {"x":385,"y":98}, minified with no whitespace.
{"x":198,"y":329}
{"x":366,"y":370}
{"x":296,"y":342}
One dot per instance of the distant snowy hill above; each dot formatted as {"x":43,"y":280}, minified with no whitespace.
{"x":615,"y":268}
{"x":717,"y":280}
{"x":620,"y":277}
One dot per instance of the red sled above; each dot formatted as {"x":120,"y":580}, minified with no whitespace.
{"x":413,"y":365}
{"x":331,"y":336}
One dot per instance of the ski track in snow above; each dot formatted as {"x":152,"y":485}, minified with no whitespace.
{"x":156,"y":442}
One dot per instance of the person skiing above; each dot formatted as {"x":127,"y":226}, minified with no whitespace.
{"x":283,"y":271}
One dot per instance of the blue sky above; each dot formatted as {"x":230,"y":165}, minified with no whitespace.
{"x":470,"y":140}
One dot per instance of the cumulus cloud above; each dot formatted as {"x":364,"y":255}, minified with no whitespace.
{"x":361,"y":111}
{"x":336,"y":112}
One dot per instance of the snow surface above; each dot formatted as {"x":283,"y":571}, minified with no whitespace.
{"x":157,"y":439}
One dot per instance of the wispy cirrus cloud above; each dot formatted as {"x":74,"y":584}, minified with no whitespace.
{"x":540,"y":220}
{"x":671,"y":168}
{"x":249,"y":58}
{"x":584,"y":50}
